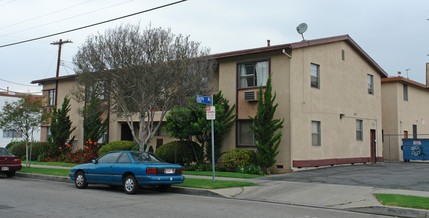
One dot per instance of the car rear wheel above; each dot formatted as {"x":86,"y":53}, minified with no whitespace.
{"x":80,"y":180}
{"x":130,"y":185}
{"x":164,"y":188}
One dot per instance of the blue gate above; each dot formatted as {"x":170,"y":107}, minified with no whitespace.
{"x":415,"y":149}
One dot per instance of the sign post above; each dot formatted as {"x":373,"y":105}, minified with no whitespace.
{"x":210,"y":115}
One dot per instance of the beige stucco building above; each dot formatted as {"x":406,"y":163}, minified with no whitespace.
{"x":328,"y":92}
{"x":405,"y":113}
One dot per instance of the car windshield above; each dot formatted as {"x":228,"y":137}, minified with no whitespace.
{"x":4,"y":151}
{"x":140,"y":157}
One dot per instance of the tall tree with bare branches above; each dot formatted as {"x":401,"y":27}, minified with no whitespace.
{"x":146,"y":73}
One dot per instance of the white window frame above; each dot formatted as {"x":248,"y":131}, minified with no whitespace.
{"x":405,"y":87}
{"x":316,"y":132}
{"x":370,"y":83}
{"x":258,"y":78}
{"x":359,"y":130}
{"x":51,"y":96}
{"x":315,"y":73}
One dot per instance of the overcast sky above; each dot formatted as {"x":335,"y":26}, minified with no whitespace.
{"x":394,"y":33}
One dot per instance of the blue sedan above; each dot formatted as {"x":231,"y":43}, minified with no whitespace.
{"x":130,"y":169}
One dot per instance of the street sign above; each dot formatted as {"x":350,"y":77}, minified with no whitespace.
{"x":211,"y":113}
{"x":204,"y":99}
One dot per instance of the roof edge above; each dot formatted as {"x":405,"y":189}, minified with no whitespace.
{"x":41,"y":81}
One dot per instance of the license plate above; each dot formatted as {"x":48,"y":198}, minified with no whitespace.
{"x":5,"y":169}
{"x":169,"y":171}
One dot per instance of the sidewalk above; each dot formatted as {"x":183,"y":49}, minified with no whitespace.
{"x":345,"y":197}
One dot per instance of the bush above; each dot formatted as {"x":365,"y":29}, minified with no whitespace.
{"x":180,"y":152}
{"x":11,"y":144}
{"x":38,"y":149}
{"x":251,"y":169}
{"x":116,"y":146}
{"x":238,"y":157}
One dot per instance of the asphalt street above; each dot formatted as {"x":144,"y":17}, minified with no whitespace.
{"x":27,"y":197}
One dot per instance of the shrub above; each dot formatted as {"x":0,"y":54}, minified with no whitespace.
{"x":180,"y":152}
{"x":9,"y":146}
{"x":38,"y":148}
{"x":238,"y":157}
{"x":116,"y":146}
{"x":251,"y":169}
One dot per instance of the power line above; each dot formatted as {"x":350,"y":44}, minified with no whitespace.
{"x":68,"y":18}
{"x":91,"y":25}
{"x":44,"y":15}
{"x":18,"y":83}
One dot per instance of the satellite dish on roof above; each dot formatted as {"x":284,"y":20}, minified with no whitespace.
{"x":301,"y":29}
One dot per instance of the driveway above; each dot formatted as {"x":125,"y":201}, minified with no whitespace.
{"x":389,"y":175}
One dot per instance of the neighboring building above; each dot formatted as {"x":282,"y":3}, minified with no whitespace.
{"x":10,"y":135}
{"x":54,"y":91}
{"x":405,"y":110}
{"x":328,"y":91}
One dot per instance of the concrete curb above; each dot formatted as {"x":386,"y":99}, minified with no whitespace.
{"x":392,"y":211}
{"x":376,"y":210}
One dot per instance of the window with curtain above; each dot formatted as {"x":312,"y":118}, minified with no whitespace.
{"x":315,"y":76}
{"x":253,"y":74}
{"x":315,"y":133}
{"x":370,"y":79}
{"x":359,"y":130}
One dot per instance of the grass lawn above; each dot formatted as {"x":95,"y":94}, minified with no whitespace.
{"x":61,"y":164}
{"x":189,"y":182}
{"x":45,"y":171}
{"x":403,"y":201}
{"x":209,"y":184}
{"x":221,"y":174}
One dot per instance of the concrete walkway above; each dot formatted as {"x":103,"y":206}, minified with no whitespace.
{"x":336,"y":196}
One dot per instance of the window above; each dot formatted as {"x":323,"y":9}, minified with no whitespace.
{"x":405,"y":92}
{"x":10,"y":133}
{"x":48,"y":133}
{"x":343,"y":55}
{"x":370,"y":79}
{"x":253,"y":74}
{"x":414,"y":131}
{"x":109,"y":158}
{"x":51,"y":97}
{"x":124,"y":158}
{"x":245,"y":135}
{"x":315,"y":76}
{"x":359,"y":130}
{"x":315,"y":133}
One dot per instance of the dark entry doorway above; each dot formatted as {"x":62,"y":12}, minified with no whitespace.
{"x":373,"y":146}
{"x":126,"y":132}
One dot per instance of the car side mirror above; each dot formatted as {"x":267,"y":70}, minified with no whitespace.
{"x":94,"y":161}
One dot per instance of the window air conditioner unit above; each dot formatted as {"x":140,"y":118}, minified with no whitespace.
{"x":250,"y":96}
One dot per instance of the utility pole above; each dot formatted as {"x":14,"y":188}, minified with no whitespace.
{"x":59,"y":43}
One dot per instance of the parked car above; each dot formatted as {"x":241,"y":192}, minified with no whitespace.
{"x":9,"y":163}
{"x":130,"y":169}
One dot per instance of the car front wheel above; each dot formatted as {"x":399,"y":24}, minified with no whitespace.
{"x":130,"y":185}
{"x":80,"y":180}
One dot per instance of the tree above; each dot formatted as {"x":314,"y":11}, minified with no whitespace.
{"x":61,"y":126}
{"x":93,"y":125}
{"x":188,"y":122}
{"x":266,"y":128}
{"x":23,"y":116}
{"x":146,"y":73}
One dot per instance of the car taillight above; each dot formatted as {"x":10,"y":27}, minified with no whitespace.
{"x":151,"y":170}
{"x":181,"y":171}
{"x":17,"y":160}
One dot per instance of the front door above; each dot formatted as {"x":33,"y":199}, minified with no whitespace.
{"x":373,"y":147}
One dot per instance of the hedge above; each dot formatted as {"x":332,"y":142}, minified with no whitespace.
{"x":238,"y":157}
{"x":116,"y":146}
{"x":180,"y":152}
{"x":38,"y":148}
